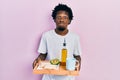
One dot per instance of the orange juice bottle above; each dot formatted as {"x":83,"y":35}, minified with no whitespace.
{"x":64,"y":54}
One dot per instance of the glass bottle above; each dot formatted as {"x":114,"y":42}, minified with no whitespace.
{"x":64,"y":54}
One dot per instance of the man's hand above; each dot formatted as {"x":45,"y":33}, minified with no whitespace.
{"x":38,"y":59}
{"x":36,"y":62}
{"x":79,"y":59}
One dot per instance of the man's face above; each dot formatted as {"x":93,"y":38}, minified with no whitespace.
{"x":62,"y":20}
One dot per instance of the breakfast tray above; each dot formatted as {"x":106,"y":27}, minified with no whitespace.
{"x":60,"y":71}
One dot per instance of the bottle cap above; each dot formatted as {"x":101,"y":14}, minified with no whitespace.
{"x":64,"y":44}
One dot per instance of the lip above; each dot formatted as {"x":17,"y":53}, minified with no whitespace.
{"x":60,"y":23}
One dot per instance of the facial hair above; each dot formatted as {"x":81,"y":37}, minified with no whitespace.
{"x":61,"y":28}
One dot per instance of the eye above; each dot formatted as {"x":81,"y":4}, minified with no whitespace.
{"x":65,"y":17}
{"x":58,"y":17}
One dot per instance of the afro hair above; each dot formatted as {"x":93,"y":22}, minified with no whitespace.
{"x":62,"y":7}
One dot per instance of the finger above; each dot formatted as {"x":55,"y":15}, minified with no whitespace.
{"x":34,"y":63}
{"x":37,"y":64}
{"x":39,"y":61}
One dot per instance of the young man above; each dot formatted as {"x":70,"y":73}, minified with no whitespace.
{"x":52,"y":41}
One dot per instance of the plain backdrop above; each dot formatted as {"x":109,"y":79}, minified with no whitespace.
{"x":97,"y":22}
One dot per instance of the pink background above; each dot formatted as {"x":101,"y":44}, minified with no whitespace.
{"x":96,"y":21}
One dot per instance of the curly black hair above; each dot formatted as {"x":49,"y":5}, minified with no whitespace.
{"x":63,"y":7}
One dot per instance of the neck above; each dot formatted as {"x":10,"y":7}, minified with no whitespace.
{"x":61,"y":32}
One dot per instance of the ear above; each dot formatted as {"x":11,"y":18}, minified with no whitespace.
{"x":69,"y":22}
{"x":54,"y":20}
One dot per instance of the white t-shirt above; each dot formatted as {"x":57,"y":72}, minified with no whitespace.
{"x":52,"y":43}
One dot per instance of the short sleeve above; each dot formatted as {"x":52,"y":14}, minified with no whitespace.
{"x":43,"y":45}
{"x":77,"y":48}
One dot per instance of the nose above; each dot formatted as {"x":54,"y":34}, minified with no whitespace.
{"x":61,"y":20}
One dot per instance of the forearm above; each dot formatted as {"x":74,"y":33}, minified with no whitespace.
{"x":42,"y":56}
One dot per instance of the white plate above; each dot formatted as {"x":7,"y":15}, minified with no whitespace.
{"x":47,"y":65}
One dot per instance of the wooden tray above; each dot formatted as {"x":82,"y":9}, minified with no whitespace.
{"x":61,"y":71}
